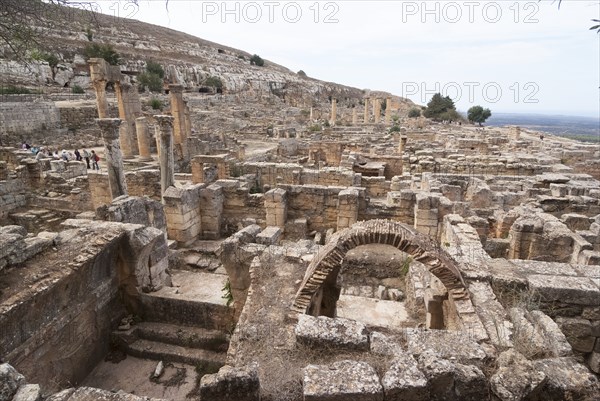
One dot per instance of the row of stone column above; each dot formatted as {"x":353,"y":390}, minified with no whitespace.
{"x":134,"y":139}
{"x":111,"y":132}
{"x":376,"y":103}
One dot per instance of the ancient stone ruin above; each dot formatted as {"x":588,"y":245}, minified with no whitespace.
{"x":279,"y":241}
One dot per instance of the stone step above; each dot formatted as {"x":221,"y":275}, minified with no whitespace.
{"x":174,"y":353}
{"x":185,"y":336}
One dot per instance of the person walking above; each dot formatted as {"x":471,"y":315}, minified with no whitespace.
{"x":86,"y":156}
{"x":95,"y":160}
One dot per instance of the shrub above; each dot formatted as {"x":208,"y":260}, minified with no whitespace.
{"x":214,"y":82}
{"x":395,"y":128}
{"x":51,"y":59}
{"x":155,"y":68}
{"x":77,"y":89}
{"x":315,"y":128}
{"x":15,"y":90}
{"x":414,"y":113}
{"x":257,"y":60}
{"x":89,"y":34}
{"x":155,"y":103}
{"x":151,"y":81}
{"x":95,"y":50}
{"x":302,"y":74}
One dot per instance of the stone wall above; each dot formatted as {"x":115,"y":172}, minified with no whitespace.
{"x":57,"y":330}
{"x":20,"y":120}
{"x":12,"y":196}
{"x":76,"y":117}
{"x":273,"y":174}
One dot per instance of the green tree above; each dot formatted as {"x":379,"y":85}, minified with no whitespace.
{"x":478,"y":114}
{"x":105,"y":51}
{"x":414,"y":113}
{"x":257,"y":60}
{"x":441,"y":108}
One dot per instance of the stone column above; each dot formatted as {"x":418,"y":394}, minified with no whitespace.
{"x":377,"y":110}
{"x":402,"y":144}
{"x":354,"y":116}
{"x":101,"y":102}
{"x":113,"y":155}
{"x":188,"y":120}
{"x":366,"y":116}
{"x":167,"y":162}
{"x":517,"y":133}
{"x":157,"y":138}
{"x":97,"y":77}
{"x":141,"y":127}
{"x":125,"y":134}
{"x":333,"y":111}
{"x":388,"y":110}
{"x":178,"y":113}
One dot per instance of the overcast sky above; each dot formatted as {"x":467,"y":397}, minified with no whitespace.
{"x":510,"y":56}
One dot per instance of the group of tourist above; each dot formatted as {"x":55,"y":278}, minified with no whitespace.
{"x":91,"y":158}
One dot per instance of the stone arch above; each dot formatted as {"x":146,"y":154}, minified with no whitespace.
{"x":324,"y":268}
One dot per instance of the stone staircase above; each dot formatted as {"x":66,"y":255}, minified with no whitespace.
{"x":167,"y":342}
{"x":187,"y":323}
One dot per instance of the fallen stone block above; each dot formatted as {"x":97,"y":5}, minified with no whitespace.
{"x":337,"y":333}
{"x":516,"y":377}
{"x":28,"y":392}
{"x":342,"y":381}
{"x":445,"y":344}
{"x":231,"y":384}
{"x":404,"y":380}
{"x":567,"y":379}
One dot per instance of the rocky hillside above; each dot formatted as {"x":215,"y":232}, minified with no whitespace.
{"x":187,"y":60}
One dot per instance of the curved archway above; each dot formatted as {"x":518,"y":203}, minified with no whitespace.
{"x":324,"y":268}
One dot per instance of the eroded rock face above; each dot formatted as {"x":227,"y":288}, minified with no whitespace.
{"x":342,"y":381}
{"x":338,"y":332}
{"x":10,"y":380}
{"x":231,"y":384}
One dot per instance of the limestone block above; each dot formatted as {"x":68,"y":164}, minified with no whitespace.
{"x":269,"y":236}
{"x":342,"y":381}
{"x":28,"y":392}
{"x":338,"y":332}
{"x":384,"y":345}
{"x":231,"y":384}
{"x":445,"y":344}
{"x":593,"y":361}
{"x":515,"y":378}
{"x":10,"y":381}
{"x":578,"y":333}
{"x":451,"y":381}
{"x":554,"y":339}
{"x":567,"y":379}
{"x":404,"y":380}
{"x":575,"y":290}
